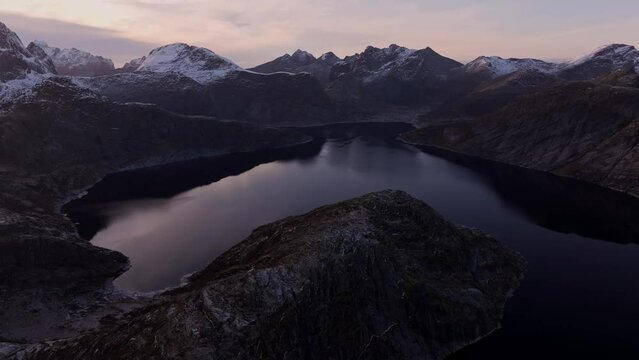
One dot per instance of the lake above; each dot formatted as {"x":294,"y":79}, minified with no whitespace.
{"x":580,"y":296}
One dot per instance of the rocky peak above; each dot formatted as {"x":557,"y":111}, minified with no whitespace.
{"x":329,"y":57}
{"x":43,"y":57}
{"x":386,"y":54}
{"x":200,"y":64}
{"x":397,"y":61}
{"x":9,"y":41}
{"x":303,"y":57}
{"x":617,"y":53}
{"x":300,"y":62}
{"x":74,"y":62}
{"x":16,"y":62}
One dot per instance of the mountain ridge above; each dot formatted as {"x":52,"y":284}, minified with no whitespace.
{"x":74,"y":62}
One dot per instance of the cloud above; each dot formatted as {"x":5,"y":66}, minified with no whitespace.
{"x":98,"y":41}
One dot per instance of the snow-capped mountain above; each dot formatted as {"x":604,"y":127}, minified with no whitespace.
{"x":74,"y":62}
{"x":495,"y":66}
{"x":16,"y":61}
{"x":602,"y":61}
{"x":20,"y":69}
{"x":301,"y":62}
{"x":396,"y":61}
{"x":199,"y":64}
{"x":393,"y":75}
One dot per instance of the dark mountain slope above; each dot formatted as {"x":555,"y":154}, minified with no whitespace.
{"x":65,"y":138}
{"x":581,"y":130}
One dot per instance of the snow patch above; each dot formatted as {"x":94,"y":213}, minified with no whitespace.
{"x":13,"y":90}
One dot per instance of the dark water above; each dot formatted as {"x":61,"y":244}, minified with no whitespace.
{"x":580,"y":297}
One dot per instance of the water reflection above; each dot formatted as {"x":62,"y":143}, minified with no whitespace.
{"x":560,"y":204}
{"x":579,"y":296}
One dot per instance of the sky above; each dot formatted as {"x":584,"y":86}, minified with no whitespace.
{"x":251,"y":32}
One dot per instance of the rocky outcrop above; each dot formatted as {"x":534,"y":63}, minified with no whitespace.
{"x":382,"y":276}
{"x":580,"y":130}
{"x":73,"y":62}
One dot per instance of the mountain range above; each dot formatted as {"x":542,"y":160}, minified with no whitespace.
{"x":68,"y":118}
{"x":299,"y":89}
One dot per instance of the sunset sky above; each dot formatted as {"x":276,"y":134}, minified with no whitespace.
{"x":254,"y":31}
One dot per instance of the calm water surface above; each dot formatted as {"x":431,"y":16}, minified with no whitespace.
{"x":580,"y":297}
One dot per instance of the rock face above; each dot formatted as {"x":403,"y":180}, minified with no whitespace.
{"x":382,"y":276}
{"x":299,"y":62}
{"x":73,"y":62}
{"x":580,"y":130}
{"x":16,"y":61}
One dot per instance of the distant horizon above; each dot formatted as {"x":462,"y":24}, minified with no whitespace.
{"x":253,"y":32}
{"x":290,"y":52}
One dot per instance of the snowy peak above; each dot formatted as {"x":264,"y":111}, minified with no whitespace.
{"x":74,"y":62}
{"x":200,"y":64}
{"x":42,"y":57}
{"x":16,"y":61}
{"x":9,"y":41}
{"x":602,"y":62}
{"x":301,"y":62}
{"x":329,"y":57}
{"x":396,"y":61}
{"x":616,"y":55}
{"x":392,"y":53}
{"x":496,"y":66}
{"x":303,"y":57}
